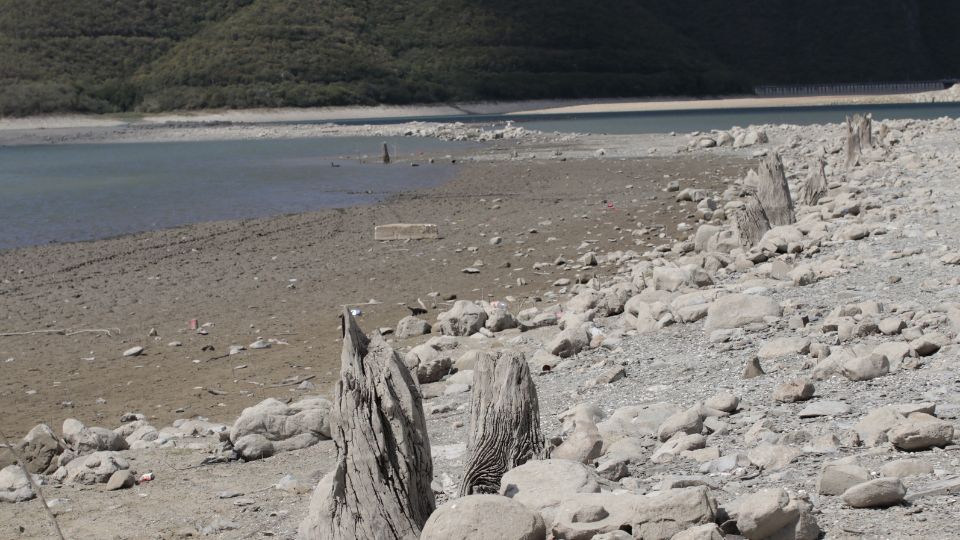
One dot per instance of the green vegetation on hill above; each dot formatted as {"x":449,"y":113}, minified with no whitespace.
{"x":153,"y":55}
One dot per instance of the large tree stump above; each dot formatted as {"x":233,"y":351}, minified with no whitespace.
{"x":774,"y":192}
{"x":380,"y":488}
{"x":751,"y":220}
{"x":504,"y":421}
{"x":816,"y":185}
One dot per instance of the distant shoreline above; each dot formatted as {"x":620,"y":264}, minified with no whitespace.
{"x":464,"y":110}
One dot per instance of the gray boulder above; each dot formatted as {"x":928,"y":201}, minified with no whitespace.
{"x":498,"y":318}
{"x":428,"y":363}
{"x":463,"y":319}
{"x":479,"y":517}
{"x":773,"y":513}
{"x":921,"y":432}
{"x":903,"y":468}
{"x":253,"y":447}
{"x":40,"y":448}
{"x":95,"y":468}
{"x":91,"y":439}
{"x":836,"y":478}
{"x":659,"y":516}
{"x":14,"y":485}
{"x":738,"y":310}
{"x":865,"y":368}
{"x":878,"y":493}
{"x":689,"y":422}
{"x":569,"y":341}
{"x":709,"y":531}
{"x":542,"y":485}
{"x":287,"y":427}
{"x":411,"y":326}
{"x":793,"y":391}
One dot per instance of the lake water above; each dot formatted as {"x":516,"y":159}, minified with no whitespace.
{"x":66,"y":193}
{"x":688,"y":121}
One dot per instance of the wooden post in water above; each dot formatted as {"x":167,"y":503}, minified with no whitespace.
{"x":504,"y":421}
{"x":380,"y":487}
{"x":386,"y":155}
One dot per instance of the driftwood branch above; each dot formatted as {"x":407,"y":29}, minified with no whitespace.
{"x":504,"y":421}
{"x":380,"y":487}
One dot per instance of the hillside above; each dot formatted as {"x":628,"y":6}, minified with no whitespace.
{"x":151,"y":55}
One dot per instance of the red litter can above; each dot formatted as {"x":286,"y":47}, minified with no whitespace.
{"x":193,"y":324}
{"x":146,"y":477}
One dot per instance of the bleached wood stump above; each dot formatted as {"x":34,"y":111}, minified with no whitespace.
{"x":774,"y":192}
{"x":504,"y":421}
{"x":380,"y":488}
{"x":816,"y":185}
{"x":751,"y":221}
{"x":859,"y":136}
{"x":864,"y":126}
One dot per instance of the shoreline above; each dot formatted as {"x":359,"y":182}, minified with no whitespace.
{"x":449,"y":112}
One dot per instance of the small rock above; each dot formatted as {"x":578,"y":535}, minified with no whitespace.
{"x":793,"y":391}
{"x":836,"y":478}
{"x":133,"y":351}
{"x":752,"y":369}
{"x":121,"y":480}
{"x":825,"y":408}
{"x":878,"y":493}
{"x":903,"y":468}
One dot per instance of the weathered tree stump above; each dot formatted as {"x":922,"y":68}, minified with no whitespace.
{"x":504,"y":421}
{"x":816,"y":185}
{"x":386,"y":155}
{"x":859,"y":136}
{"x":864,"y":126}
{"x":380,"y":488}
{"x":751,"y":220}
{"x":774,"y":192}
{"x":882,"y":133}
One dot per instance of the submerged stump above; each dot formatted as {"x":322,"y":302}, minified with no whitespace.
{"x":504,"y":421}
{"x":380,"y":488}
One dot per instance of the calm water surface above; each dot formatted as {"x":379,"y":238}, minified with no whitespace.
{"x":687,"y":121}
{"x":65,"y":193}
